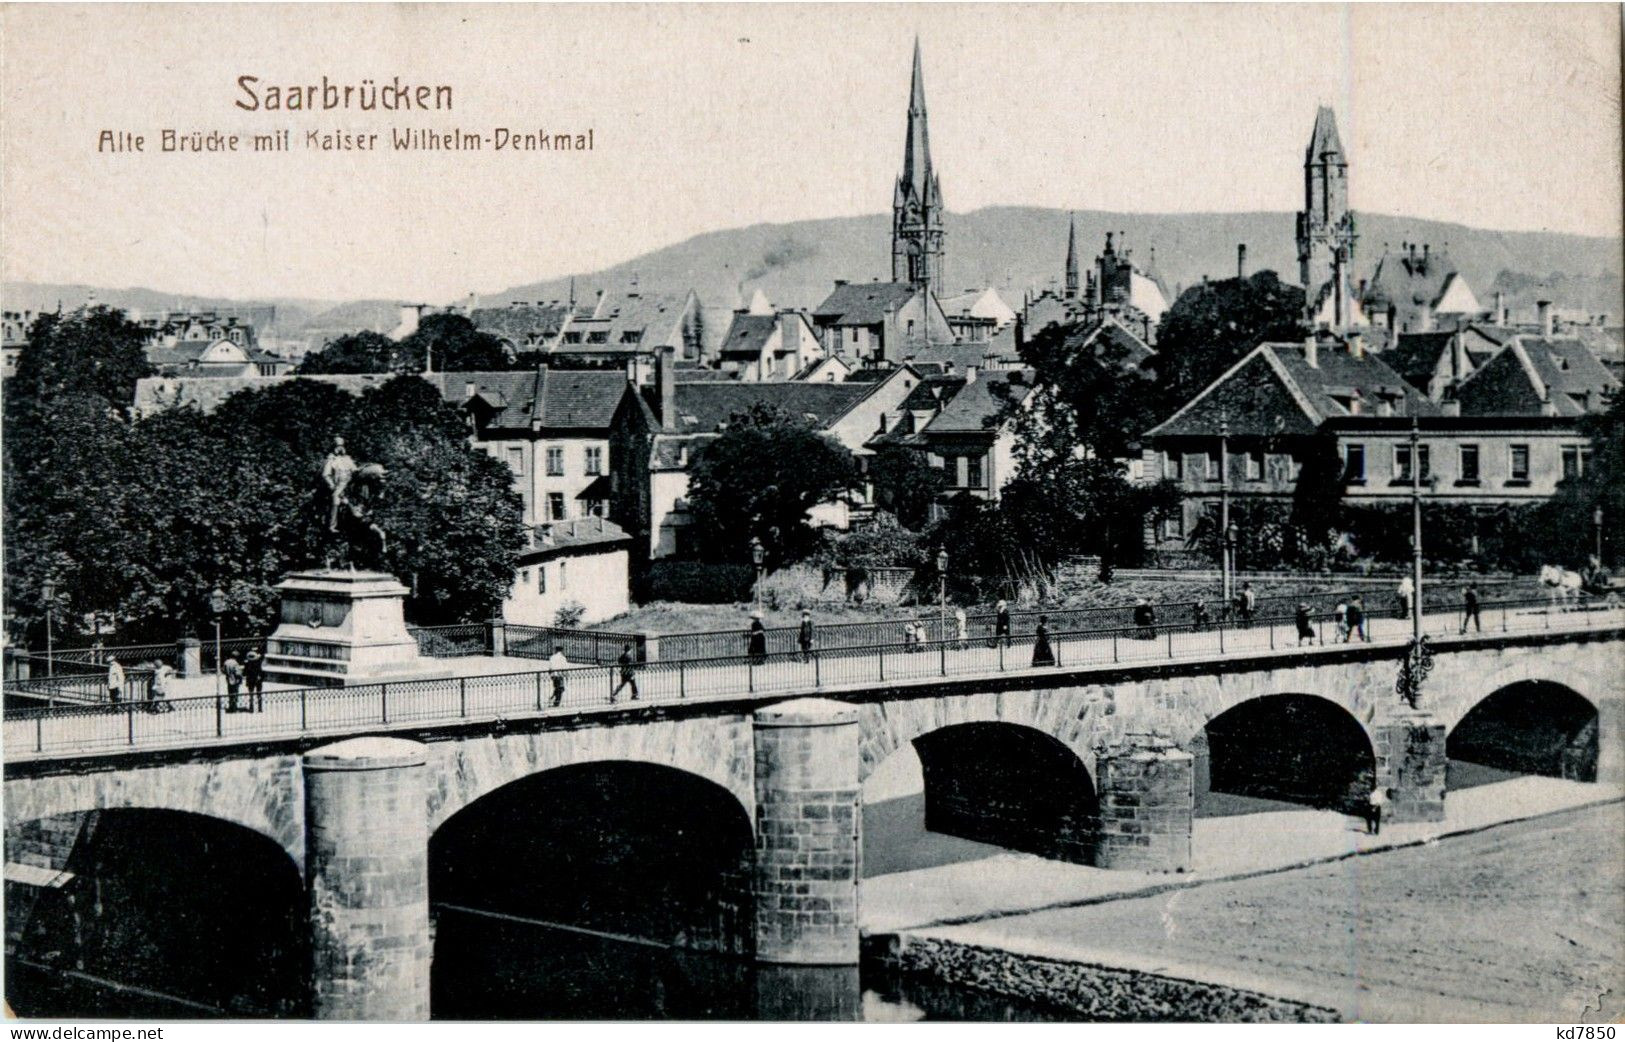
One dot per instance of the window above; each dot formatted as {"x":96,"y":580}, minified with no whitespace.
{"x":1518,"y":463}
{"x":974,"y":476}
{"x":1255,"y":466}
{"x":631,"y":336}
{"x":595,"y":460}
{"x":1173,"y":466}
{"x":1354,"y":464}
{"x":1402,"y":463}
{"x":1576,"y":458}
{"x":555,"y":506}
{"x":1213,"y":464}
{"x":1469,"y":465}
{"x":1174,"y":527}
{"x":516,"y":460}
{"x":564,"y":576}
{"x":573,"y":337}
{"x":555,"y":461}
{"x":597,"y":508}
{"x":598,"y":336}
{"x":541,"y":578}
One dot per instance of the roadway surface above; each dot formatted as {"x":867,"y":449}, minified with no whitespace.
{"x":473,"y":696}
{"x":1517,"y":923}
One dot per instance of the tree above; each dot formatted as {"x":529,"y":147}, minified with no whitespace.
{"x":1567,"y":522}
{"x":447,"y":342}
{"x":905,"y":484}
{"x":363,"y":352}
{"x":141,"y":521}
{"x":453,"y":344}
{"x":760,"y":478}
{"x":93,"y":351}
{"x":1212,"y":326}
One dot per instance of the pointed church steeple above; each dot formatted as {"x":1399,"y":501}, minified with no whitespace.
{"x":1071,"y":257}
{"x":1325,"y":227}
{"x":917,"y":201}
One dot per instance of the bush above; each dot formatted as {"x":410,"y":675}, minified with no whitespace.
{"x":699,"y":582}
{"x":568,"y":617}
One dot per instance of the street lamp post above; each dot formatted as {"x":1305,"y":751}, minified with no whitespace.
{"x":217,"y":602}
{"x":48,"y":594}
{"x":1225,"y":527}
{"x":1229,"y":552}
{"x":1416,"y":529}
{"x":942,"y":590}
{"x":756,"y":555}
{"x":1596,"y":521}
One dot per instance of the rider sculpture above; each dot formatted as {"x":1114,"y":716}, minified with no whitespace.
{"x":351,"y":489}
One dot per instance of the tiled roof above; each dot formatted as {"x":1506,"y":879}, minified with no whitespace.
{"x":1415,"y":356}
{"x":977,"y":405}
{"x":581,"y":398}
{"x":520,"y":322}
{"x":207,"y":393}
{"x":1109,"y":335}
{"x":863,"y":303}
{"x":1274,"y":390}
{"x":959,"y":356}
{"x":747,"y":334}
{"x":557,"y":537}
{"x":1408,"y":280}
{"x":1532,"y":372}
{"x":705,"y":407}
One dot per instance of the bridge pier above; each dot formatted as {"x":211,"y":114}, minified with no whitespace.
{"x":807,"y":828}
{"x":1147,"y":800}
{"x":1411,"y":763}
{"x":367,"y":861}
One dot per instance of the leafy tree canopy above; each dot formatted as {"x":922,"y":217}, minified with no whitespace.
{"x":905,"y":484}
{"x":1212,"y":326}
{"x":448,"y":342}
{"x":760,"y":478}
{"x":93,"y":351}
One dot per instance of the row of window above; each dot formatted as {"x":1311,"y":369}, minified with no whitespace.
{"x":1576,"y":459}
{"x":1173,"y":466}
{"x":554,"y":460}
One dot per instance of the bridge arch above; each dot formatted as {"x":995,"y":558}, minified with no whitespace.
{"x":222,"y":926}
{"x":1073,"y":718}
{"x":1453,"y":694}
{"x":719,"y":750}
{"x":1290,"y":746}
{"x":264,"y":796}
{"x":529,"y":881}
{"x":1526,"y":727}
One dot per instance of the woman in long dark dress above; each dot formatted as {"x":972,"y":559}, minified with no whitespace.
{"x":1043,"y":654}
{"x":758,"y":640}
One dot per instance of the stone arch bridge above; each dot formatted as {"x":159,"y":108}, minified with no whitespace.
{"x":1092,"y":764}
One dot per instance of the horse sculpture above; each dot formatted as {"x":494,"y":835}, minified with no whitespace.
{"x":1562,"y":585}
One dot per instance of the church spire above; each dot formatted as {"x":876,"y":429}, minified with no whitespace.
{"x":1071,"y":257}
{"x":917,"y":201}
{"x":1326,"y":227}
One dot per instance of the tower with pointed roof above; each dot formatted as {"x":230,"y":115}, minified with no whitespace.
{"x":916,"y":238}
{"x":1326,"y":226}
{"x":1072,"y":258}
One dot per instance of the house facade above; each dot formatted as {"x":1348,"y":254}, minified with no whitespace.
{"x":585,"y":562}
{"x":880,"y":323}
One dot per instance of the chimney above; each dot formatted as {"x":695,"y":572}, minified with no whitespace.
{"x":1543,"y":308}
{"x":1500,"y":308}
{"x":1356,"y":346}
{"x":1451,"y":406}
{"x":1426,"y":248}
{"x":1602,"y":320}
{"x":970,"y":375}
{"x":1241,"y":260}
{"x":666,"y":387}
{"x":1547,"y":406}
{"x":1311,"y":351}
{"x":1458,"y":357}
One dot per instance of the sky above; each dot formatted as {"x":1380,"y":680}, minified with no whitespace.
{"x":706,"y":118}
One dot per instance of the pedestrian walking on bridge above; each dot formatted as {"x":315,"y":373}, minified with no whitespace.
{"x":1246,"y":600}
{"x":254,"y":677}
{"x":556,"y":665}
{"x":1469,"y":609}
{"x":1200,"y":619}
{"x":629,"y":673}
{"x":805,"y":636}
{"x":157,"y":693}
{"x":115,"y":681}
{"x":1001,"y":623}
{"x":234,"y":682}
{"x":1306,"y":628}
{"x":1373,"y":810}
{"x":1043,"y":654}
{"x":1402,"y":597}
{"x":1356,"y":617}
{"x":1145,"y":617}
{"x":961,"y":628}
{"x":756,"y":639}
{"x":1340,"y":619}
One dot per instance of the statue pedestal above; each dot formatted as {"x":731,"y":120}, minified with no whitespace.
{"x":343,"y":627}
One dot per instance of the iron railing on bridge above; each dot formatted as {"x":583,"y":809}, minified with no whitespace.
{"x":69,"y":729}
